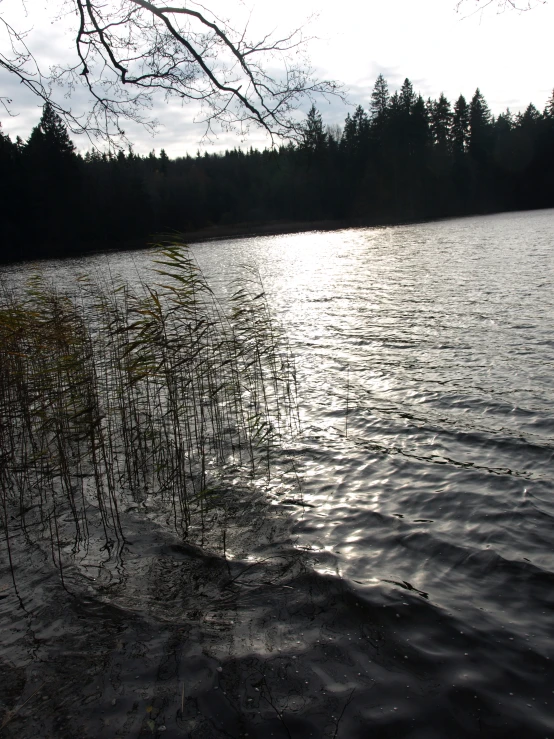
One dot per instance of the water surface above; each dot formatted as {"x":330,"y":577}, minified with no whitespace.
{"x":411,"y":594}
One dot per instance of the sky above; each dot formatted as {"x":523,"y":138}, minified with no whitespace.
{"x":508,"y":55}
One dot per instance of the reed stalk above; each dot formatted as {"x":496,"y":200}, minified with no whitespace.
{"x":110,"y":394}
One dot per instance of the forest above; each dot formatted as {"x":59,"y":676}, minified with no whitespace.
{"x":401,"y":159}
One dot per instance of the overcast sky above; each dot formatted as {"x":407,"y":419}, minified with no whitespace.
{"x":509,"y":56}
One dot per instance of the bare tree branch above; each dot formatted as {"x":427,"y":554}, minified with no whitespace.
{"x":500,"y":5}
{"x":126,"y":51}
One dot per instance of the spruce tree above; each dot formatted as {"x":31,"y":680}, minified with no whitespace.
{"x":379,"y":98}
{"x":50,"y":136}
{"x":348,"y":141}
{"x":361,"y":131}
{"x":460,"y":127}
{"x":53,"y":180}
{"x":407,"y":96}
{"x":531,"y":117}
{"x":441,"y":122}
{"x":379,"y":111}
{"x":314,"y":138}
{"x":549,"y":108}
{"x":480,"y":121}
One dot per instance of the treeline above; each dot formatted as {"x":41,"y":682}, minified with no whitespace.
{"x":404,"y":158}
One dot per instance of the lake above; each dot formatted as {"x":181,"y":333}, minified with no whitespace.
{"x":397,"y":573}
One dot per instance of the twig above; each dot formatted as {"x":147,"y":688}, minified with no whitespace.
{"x":348,"y":701}
{"x":12,"y":714}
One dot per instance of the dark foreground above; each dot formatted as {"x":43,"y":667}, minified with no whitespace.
{"x":167,"y":639}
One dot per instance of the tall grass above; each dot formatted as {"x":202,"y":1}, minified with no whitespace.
{"x":110,"y":393}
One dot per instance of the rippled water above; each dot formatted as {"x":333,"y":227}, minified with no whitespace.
{"x":413,"y":591}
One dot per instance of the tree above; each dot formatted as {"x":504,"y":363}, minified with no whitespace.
{"x":480,"y":120}
{"x":460,"y":126}
{"x":314,"y":137}
{"x":407,"y":96}
{"x":355,"y":139}
{"x":52,"y":179}
{"x":379,"y":98}
{"x":531,"y":118}
{"x":128,"y":50}
{"x":13,"y":208}
{"x":440,"y":114}
{"x":549,"y":108}
{"x":50,"y":138}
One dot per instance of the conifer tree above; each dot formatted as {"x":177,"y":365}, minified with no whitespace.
{"x":164,"y":161}
{"x":531,"y":117}
{"x":53,"y":179}
{"x":356,"y":141}
{"x":314,"y":138}
{"x":460,"y":126}
{"x":420,"y":133}
{"x":407,"y":96}
{"x":50,"y":136}
{"x":349,"y":135}
{"x":480,"y":120}
{"x":379,"y":98}
{"x":506,"y":119}
{"x":379,"y":110}
{"x":441,"y":122}
{"x":549,"y":108}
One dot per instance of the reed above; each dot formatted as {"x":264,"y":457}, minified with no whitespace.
{"x":112,"y":394}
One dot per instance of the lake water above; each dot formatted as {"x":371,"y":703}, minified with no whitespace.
{"x":407,"y":586}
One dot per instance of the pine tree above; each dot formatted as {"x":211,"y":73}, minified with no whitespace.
{"x":164,"y":161}
{"x":379,"y":98}
{"x":549,"y":108}
{"x":360,"y":131}
{"x":419,"y":130}
{"x":314,"y":138}
{"x":460,"y":126}
{"x":531,"y":117}
{"x":53,"y":180}
{"x":50,"y":137}
{"x":505,"y":119}
{"x":349,"y":135}
{"x":356,"y":139}
{"x":480,"y":122}
{"x":440,"y":113}
{"x":407,"y":96}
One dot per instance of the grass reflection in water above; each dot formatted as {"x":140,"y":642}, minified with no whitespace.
{"x":110,"y":396}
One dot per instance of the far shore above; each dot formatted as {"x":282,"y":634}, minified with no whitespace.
{"x":202,"y":235}
{"x":221,"y":233}
{"x":274,"y":228}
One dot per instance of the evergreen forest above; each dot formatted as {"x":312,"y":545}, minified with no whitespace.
{"x":402,"y":159}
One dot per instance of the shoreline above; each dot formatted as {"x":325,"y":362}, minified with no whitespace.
{"x":206,"y":235}
{"x":273,"y":228}
{"x":221,"y":233}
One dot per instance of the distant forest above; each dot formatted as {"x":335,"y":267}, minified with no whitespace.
{"x":405,"y":158}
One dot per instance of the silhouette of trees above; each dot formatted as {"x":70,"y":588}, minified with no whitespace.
{"x":402,"y":159}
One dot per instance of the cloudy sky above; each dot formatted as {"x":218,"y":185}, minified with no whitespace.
{"x":508,"y":55}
